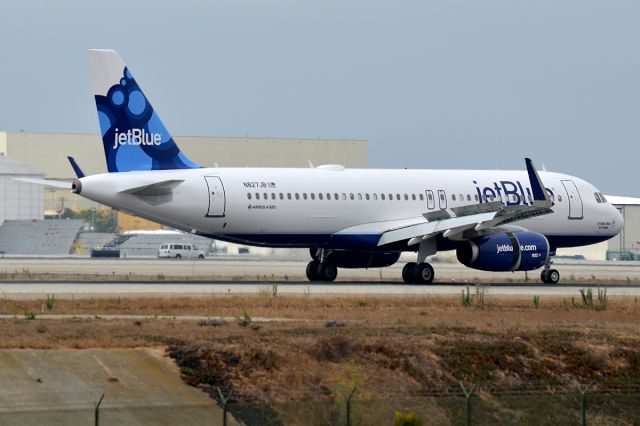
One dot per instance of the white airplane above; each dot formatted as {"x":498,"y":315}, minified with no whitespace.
{"x":495,"y":220}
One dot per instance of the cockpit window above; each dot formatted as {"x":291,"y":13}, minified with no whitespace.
{"x":604,"y":200}
{"x":597,"y":196}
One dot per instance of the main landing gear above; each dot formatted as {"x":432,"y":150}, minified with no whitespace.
{"x":548,"y":275}
{"x":320,"y":268}
{"x":417,"y":273}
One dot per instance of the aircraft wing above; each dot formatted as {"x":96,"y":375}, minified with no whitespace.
{"x":476,"y":217}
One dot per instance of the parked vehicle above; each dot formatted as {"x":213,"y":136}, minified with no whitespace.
{"x":180,"y":251}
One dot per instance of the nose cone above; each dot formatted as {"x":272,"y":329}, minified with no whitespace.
{"x":617,"y":220}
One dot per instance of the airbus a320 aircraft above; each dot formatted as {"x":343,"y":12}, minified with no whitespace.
{"x":495,"y":220}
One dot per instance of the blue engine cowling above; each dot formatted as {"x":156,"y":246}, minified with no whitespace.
{"x":510,"y":251}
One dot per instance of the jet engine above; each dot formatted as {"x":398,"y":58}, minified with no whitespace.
{"x":509,"y":251}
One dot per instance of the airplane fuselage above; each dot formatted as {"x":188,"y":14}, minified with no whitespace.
{"x":337,"y":208}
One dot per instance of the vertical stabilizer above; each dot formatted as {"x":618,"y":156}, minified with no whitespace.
{"x":133,"y":135}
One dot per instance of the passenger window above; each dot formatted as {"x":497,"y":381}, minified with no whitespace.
{"x":344,"y":196}
{"x":288,"y":195}
{"x":297,"y":196}
{"x":248,"y":195}
{"x":257,"y":195}
{"x":273,"y":195}
{"x":406,"y":197}
{"x":265,"y":196}
{"x":335,"y":196}
{"x":453,"y":197}
{"x":430,"y":196}
{"x":320,"y":196}
{"x":304,"y":195}
{"x":281,"y":196}
{"x":560,"y":198}
{"x":366,"y":196}
{"x":375,"y":197}
{"x":413,"y":197}
{"x":382,"y":197}
{"x":461,"y":197}
{"x":421,"y":197}
{"x":475,"y":196}
{"x":329,"y":196}
{"x":398,"y":197}
{"x":352,"y":196}
{"x":359,"y":196}
{"x":468,"y":197}
{"x":313,"y":196}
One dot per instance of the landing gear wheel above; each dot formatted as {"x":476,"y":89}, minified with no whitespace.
{"x":178,"y":256}
{"x":543,"y":277}
{"x":423,"y":274}
{"x":409,"y":272}
{"x":327,"y":272}
{"x":552,"y":276}
{"x":312,"y":270}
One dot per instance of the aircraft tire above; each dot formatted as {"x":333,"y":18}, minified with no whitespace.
{"x":327,"y":272}
{"x":553,"y":276}
{"x":312,"y":270}
{"x":409,"y":272}
{"x":424,"y":273}
{"x":543,"y":277}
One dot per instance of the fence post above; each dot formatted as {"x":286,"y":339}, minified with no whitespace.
{"x":583,"y":401}
{"x":224,"y":405}
{"x":467,"y":394}
{"x":96,"y":412}
{"x":348,"y":401}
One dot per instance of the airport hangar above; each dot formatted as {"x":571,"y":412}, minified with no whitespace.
{"x":44,"y":154}
{"x":47,"y":152}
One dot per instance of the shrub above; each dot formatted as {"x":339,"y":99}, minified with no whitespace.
{"x":50,"y":302}
{"x":409,"y":419}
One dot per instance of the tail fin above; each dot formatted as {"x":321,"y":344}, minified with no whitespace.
{"x":133,"y":135}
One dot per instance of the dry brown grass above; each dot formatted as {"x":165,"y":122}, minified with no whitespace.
{"x":390,"y":346}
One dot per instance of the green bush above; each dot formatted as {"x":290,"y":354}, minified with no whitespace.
{"x":409,"y":419}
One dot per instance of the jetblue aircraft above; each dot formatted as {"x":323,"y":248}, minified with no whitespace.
{"x":495,"y":220}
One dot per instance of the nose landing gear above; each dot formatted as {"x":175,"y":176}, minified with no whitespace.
{"x":548,"y":275}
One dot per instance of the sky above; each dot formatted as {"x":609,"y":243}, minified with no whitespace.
{"x":430,"y":84}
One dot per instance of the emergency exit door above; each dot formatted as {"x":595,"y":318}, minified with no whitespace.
{"x":575,"y":201}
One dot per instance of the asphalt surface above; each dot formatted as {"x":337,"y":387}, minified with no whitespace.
{"x":73,"y":277}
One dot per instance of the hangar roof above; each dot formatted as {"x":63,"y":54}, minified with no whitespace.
{"x":11,"y":166}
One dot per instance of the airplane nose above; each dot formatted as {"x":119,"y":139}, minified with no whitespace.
{"x":617,"y":219}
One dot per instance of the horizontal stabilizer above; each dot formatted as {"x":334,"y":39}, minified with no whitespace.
{"x":46,"y":182}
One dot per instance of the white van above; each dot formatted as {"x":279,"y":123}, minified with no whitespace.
{"x":180,"y":251}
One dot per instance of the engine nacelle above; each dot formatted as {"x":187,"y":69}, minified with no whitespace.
{"x":363,"y":259}
{"x":510,"y":251}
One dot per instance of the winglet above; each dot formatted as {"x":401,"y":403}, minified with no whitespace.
{"x":540,"y":195}
{"x":75,"y":167}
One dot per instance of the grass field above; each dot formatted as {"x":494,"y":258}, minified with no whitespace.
{"x":406,"y":353}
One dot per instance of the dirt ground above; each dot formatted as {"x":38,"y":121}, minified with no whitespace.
{"x":388,"y":348}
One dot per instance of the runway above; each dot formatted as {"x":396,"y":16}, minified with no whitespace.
{"x":34,"y":278}
{"x":39,"y":290}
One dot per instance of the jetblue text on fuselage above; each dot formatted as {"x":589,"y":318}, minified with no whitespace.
{"x":511,"y":192}
{"x":136,"y":137}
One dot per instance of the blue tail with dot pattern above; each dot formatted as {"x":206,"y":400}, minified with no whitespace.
{"x":133,"y":135}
